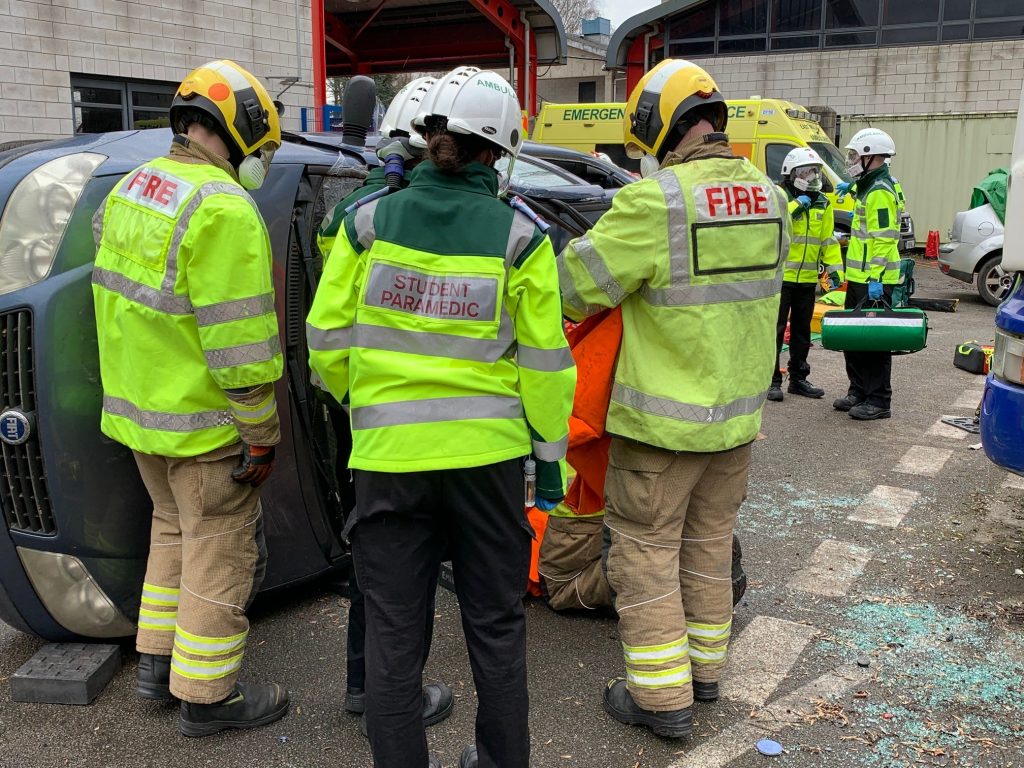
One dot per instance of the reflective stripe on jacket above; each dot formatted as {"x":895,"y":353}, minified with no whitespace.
{"x":438,"y":313}
{"x":813,"y":241}
{"x":184,"y":304}
{"x":694,"y":256}
{"x":873,"y":254}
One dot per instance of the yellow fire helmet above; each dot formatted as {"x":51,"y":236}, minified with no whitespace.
{"x":662,"y":98}
{"x":247,"y":118}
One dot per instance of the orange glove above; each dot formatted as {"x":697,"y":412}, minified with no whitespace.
{"x":257,"y":464}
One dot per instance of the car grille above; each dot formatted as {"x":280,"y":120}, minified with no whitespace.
{"x":23,"y":495}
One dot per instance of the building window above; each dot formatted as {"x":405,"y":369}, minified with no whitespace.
{"x":119,"y":105}
{"x":752,"y":26}
{"x":796,"y":16}
{"x":587,"y":91}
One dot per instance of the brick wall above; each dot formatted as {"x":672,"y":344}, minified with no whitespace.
{"x":42,"y":43}
{"x":968,"y":77}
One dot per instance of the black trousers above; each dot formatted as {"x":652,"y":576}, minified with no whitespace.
{"x":406,"y":523}
{"x":870,"y":373}
{"x":796,"y":304}
{"x":355,"y":658}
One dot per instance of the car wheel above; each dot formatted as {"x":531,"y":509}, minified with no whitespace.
{"x":993,"y":282}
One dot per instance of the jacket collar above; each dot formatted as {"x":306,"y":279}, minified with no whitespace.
{"x":867,"y":181}
{"x":708,"y":145}
{"x":477,"y":178}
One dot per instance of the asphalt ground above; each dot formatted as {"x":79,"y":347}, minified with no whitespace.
{"x":931,"y":605}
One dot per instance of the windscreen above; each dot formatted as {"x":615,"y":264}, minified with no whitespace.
{"x":833,"y":157}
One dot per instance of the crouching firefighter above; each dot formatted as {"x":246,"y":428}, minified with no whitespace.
{"x":692,"y":253}
{"x":189,"y":353}
{"x":401,"y":150}
{"x":813,"y":242}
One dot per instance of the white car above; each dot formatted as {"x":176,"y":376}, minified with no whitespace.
{"x":974,"y":253}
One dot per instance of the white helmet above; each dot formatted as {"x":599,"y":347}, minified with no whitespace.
{"x":872,"y":141}
{"x":797,"y":158}
{"x":405,"y":106}
{"x":483,"y":105}
{"x":445,"y":87}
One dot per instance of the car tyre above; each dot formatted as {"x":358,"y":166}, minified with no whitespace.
{"x":993,"y":282}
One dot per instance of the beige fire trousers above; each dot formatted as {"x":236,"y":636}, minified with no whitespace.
{"x":206,"y":561}
{"x":671,"y":519}
{"x":570,"y":563}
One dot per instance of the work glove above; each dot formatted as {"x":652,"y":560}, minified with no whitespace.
{"x":545,"y":505}
{"x":875,"y":291}
{"x":834,"y":281}
{"x":804,"y":201}
{"x":844,"y":187}
{"x":256,"y":466}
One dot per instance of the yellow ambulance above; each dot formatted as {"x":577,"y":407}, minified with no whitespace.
{"x":762,"y":130}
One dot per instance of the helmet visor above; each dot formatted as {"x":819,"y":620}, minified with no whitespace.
{"x":808,"y":173}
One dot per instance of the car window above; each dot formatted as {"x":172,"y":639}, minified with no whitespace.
{"x":774,"y":154}
{"x":528,"y":174}
{"x":592,"y":173}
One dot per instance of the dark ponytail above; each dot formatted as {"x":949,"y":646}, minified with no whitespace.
{"x":451,"y":152}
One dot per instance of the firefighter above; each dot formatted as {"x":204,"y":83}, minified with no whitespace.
{"x":189,"y":354}
{"x":438,"y":315}
{"x":813,"y":242}
{"x":397,"y":141}
{"x":872,"y":267}
{"x":692,"y":254}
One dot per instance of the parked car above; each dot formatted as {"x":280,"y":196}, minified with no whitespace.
{"x":1002,"y":405}
{"x":974,"y":253}
{"x":589,"y":167}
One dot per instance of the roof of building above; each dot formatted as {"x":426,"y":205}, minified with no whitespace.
{"x":636,"y":26}
{"x":391,"y":35}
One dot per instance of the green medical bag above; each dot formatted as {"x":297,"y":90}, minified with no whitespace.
{"x":874,"y":329}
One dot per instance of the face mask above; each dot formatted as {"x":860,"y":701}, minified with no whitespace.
{"x":253,"y":170}
{"x":856,"y":169}
{"x":808,"y":185}
{"x":807,"y":179}
{"x":649,"y":165}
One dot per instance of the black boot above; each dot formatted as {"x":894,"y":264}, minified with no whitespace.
{"x":154,"y":678}
{"x":249,"y":706}
{"x":438,"y":703}
{"x":804,"y":388}
{"x":618,"y":702}
{"x":846,"y":403}
{"x":469,"y":757}
{"x":705,"y":691}
{"x":355,"y":700}
{"x":775,"y":392}
{"x":868,"y":412}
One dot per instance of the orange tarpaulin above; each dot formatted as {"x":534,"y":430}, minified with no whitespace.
{"x":595,"y":348}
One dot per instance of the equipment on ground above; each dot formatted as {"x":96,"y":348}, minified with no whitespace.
{"x":973,"y":357}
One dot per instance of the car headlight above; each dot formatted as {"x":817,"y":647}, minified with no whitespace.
{"x":37,"y":215}
{"x":1008,"y":358}
{"x":71,"y":595}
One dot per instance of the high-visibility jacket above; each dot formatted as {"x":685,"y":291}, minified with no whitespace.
{"x":813,"y":241}
{"x":694,"y":256}
{"x":439,"y":314}
{"x":184,"y":302}
{"x":329,"y":227}
{"x":901,"y":199}
{"x":873,"y":253}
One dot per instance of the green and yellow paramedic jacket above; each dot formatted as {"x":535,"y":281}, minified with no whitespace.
{"x":438,"y":313}
{"x":184,"y":302}
{"x":873,"y":254}
{"x":694,"y":256}
{"x":375,"y":180}
{"x":813,"y":241}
